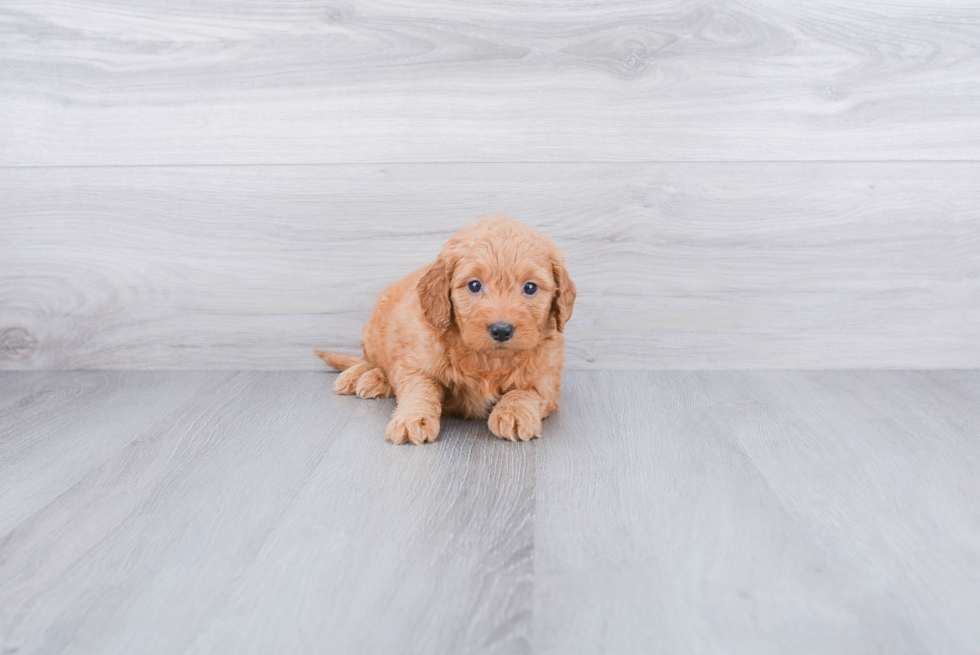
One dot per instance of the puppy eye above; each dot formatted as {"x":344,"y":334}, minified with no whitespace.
{"x":530,"y":288}
{"x":474,"y":286}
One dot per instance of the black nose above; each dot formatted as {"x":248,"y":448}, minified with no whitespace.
{"x":501,"y":331}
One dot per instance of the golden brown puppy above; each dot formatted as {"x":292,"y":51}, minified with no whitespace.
{"x":475,"y":333}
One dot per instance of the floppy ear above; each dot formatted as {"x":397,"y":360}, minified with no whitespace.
{"x":434,"y":290}
{"x":561,"y":305}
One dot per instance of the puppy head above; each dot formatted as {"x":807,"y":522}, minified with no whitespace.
{"x":500,"y":284}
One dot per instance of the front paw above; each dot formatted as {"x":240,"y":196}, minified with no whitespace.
{"x":412,"y":428}
{"x":515,"y":421}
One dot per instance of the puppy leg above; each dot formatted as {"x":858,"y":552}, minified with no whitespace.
{"x":373,"y":385}
{"x":518,"y":415}
{"x":416,"y":417}
{"x":346,"y":382}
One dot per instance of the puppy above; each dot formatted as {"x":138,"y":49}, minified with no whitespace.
{"x":476,"y":333}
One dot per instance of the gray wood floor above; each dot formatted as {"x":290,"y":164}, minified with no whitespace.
{"x":662,"y":512}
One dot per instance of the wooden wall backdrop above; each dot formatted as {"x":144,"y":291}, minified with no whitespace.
{"x":212,"y":184}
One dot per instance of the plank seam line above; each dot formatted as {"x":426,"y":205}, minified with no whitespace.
{"x":501,"y":163}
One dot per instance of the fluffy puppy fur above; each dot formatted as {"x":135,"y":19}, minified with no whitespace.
{"x":429,"y":342}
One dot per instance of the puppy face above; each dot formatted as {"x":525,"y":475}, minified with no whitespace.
{"x":501,"y":285}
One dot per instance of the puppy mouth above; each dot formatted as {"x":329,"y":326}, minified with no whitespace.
{"x":495,"y":346}
{"x":507,"y":346}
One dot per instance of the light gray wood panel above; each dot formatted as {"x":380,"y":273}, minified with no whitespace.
{"x":49,"y":441}
{"x":155,"y":82}
{"x":766,"y":512}
{"x":418,"y":550}
{"x":891,"y":485}
{"x":268,"y":515}
{"x":807,"y":265}
{"x":755,"y":512}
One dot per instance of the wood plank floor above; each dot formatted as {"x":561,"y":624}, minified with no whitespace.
{"x":662,"y":512}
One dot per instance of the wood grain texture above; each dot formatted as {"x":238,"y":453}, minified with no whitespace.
{"x":268,"y":515}
{"x":765,"y":512}
{"x":750,"y":265}
{"x":260,"y":82}
{"x":662,"y":512}
{"x":48,"y":442}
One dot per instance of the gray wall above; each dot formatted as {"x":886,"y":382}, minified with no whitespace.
{"x":205,"y":184}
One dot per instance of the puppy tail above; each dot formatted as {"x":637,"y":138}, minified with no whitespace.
{"x":338,"y":361}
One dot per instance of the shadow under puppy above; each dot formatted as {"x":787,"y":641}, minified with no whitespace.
{"x":476,"y":333}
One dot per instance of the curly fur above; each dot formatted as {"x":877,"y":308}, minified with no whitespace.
{"x":427,"y":342}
